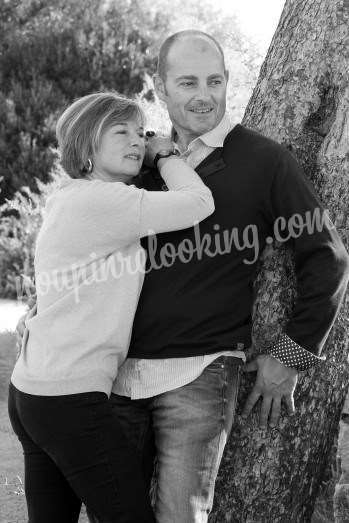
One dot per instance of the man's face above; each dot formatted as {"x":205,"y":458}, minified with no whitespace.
{"x":195,"y":86}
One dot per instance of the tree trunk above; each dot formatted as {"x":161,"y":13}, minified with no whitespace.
{"x":341,"y":497}
{"x":302,"y":100}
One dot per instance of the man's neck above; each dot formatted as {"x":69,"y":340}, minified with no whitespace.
{"x":184,"y":139}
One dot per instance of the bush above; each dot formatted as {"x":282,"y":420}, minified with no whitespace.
{"x":19,"y":226}
{"x":53,"y":52}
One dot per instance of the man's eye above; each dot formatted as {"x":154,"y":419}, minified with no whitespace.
{"x":120,"y":132}
{"x":216,"y":82}
{"x":187,"y":84}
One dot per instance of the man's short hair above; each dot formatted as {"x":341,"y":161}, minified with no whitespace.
{"x":80,"y":127}
{"x":176,"y":37}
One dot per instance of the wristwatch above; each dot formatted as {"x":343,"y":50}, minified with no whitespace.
{"x":163,"y":154}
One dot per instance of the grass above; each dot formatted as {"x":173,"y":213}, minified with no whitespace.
{"x":12,"y":502}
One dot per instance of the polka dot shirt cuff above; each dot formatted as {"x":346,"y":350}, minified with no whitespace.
{"x":293,"y":355}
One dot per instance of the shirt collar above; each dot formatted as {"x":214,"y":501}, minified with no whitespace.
{"x":215,"y":137}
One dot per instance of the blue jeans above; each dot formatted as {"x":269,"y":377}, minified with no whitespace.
{"x":187,"y":429}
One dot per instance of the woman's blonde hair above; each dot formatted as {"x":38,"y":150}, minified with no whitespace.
{"x":80,"y":127}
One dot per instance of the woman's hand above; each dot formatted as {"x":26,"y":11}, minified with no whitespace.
{"x":155,"y":144}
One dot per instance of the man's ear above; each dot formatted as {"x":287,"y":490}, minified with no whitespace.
{"x":159,"y":87}
{"x":226,"y":74}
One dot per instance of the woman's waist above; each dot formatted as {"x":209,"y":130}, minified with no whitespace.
{"x":50,"y":365}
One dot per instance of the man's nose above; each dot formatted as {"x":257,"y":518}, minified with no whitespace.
{"x":202,"y":92}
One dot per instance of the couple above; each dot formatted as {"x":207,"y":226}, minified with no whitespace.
{"x":91,"y":421}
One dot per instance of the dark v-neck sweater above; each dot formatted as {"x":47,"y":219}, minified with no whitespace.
{"x":198,"y":294}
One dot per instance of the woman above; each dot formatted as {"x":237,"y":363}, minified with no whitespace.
{"x":89,"y":272}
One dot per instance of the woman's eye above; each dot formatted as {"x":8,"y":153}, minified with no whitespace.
{"x":120,"y":132}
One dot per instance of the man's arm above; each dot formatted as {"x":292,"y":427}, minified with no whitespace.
{"x":321,"y":265}
{"x":322,"y":270}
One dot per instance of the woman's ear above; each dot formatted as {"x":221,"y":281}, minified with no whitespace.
{"x":160,"y":88}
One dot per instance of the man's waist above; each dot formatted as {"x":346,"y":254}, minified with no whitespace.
{"x":144,"y":378}
{"x":160,"y":343}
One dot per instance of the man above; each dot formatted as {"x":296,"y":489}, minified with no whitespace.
{"x":193,"y":321}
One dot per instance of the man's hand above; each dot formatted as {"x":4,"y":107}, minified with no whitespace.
{"x":21,"y":330}
{"x":275,"y":382}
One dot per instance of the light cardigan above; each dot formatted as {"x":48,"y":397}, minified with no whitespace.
{"x":89,"y":270}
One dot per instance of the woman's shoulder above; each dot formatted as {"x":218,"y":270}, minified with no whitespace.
{"x":78,"y":196}
{"x":81,"y":188}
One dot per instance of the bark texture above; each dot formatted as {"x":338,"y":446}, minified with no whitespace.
{"x":302,"y":100}
{"x":341,"y":496}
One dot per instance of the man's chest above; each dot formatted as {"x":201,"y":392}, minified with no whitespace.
{"x":239,"y":218}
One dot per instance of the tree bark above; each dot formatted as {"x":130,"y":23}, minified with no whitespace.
{"x":301,"y":100}
{"x":341,"y":496}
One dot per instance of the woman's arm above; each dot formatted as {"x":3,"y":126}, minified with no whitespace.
{"x":105,"y":214}
{"x":187,"y":201}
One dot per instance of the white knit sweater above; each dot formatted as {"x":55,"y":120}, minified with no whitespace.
{"x":89,"y":270}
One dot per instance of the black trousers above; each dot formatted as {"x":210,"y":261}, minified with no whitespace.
{"x":75,"y":451}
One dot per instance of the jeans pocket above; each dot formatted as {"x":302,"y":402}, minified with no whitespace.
{"x":234,"y":384}
{"x":217,"y":364}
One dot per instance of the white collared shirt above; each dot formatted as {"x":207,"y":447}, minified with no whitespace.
{"x":144,"y":378}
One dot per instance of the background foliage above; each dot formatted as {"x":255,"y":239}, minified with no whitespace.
{"x":53,"y":51}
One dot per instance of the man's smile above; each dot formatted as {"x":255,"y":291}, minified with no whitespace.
{"x":201,"y":110}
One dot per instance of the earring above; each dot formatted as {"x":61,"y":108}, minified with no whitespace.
{"x":89,"y":167}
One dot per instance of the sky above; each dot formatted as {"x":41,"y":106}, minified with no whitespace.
{"x":258,"y":18}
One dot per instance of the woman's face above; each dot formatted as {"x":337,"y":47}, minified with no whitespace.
{"x":121,"y":151}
